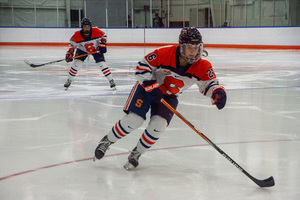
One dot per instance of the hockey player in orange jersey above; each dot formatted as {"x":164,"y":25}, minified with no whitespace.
{"x":88,"y":39}
{"x":164,"y":73}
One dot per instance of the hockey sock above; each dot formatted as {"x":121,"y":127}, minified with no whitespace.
{"x":74,"y":68}
{"x":105,"y":70}
{"x":156,"y":127}
{"x":124,"y":126}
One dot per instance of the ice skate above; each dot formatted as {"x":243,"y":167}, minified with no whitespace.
{"x":112,"y":84}
{"x":67,"y":84}
{"x":133,"y":160}
{"x":102,"y":148}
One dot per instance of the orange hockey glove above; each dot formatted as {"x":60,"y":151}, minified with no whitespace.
{"x":69,"y":56}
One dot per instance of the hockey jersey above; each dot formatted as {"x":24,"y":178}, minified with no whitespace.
{"x":90,"y":43}
{"x":162,"y":65}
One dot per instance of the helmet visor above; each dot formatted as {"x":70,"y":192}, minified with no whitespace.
{"x":191,"y":52}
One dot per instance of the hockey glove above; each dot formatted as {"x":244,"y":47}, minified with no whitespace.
{"x":153,"y":90}
{"x":102,"y":48}
{"x":69,"y":56}
{"x":219,"y":97}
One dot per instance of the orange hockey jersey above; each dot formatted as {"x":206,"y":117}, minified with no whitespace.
{"x":90,"y":43}
{"x":163,"y":66}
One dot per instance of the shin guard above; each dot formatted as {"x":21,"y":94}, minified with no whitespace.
{"x":154,"y":130}
{"x":126,"y":125}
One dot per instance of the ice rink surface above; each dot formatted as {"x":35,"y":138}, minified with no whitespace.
{"x":48,"y":135}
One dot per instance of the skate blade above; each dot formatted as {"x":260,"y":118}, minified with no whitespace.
{"x":114,"y":88}
{"x":128,"y":166}
{"x":94,"y":159}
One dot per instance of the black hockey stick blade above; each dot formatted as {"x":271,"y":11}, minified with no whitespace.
{"x":39,"y":65}
{"x":269,"y":182}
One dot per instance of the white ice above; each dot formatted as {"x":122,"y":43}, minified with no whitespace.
{"x":48,"y":135}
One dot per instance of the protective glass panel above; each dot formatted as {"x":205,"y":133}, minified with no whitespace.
{"x":150,"y":13}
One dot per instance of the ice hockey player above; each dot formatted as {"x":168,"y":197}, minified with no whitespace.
{"x":88,"y":39}
{"x":164,"y":73}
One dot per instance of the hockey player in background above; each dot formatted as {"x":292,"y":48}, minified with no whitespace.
{"x":164,"y":73}
{"x":88,"y":39}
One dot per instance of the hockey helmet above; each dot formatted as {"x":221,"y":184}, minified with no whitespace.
{"x":190,"y":36}
{"x":86,"y":21}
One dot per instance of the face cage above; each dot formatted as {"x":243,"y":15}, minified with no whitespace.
{"x":196,"y":58}
{"x":89,"y":31}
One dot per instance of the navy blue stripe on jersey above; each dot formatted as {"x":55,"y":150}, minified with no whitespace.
{"x":143,"y":68}
{"x":175,"y":70}
{"x":144,"y":64}
{"x":143,"y":72}
{"x":209,"y":86}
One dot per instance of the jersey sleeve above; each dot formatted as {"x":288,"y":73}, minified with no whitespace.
{"x":146,"y":66}
{"x":99,"y":34}
{"x":208,"y":80}
{"x":102,"y":38}
{"x":73,"y":43}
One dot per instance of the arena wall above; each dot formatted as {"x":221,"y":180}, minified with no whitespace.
{"x":262,"y":37}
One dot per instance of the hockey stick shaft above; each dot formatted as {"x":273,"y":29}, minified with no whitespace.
{"x":262,"y":183}
{"x":55,"y":61}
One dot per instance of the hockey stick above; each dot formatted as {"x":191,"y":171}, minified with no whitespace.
{"x":262,"y":183}
{"x":55,"y":61}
